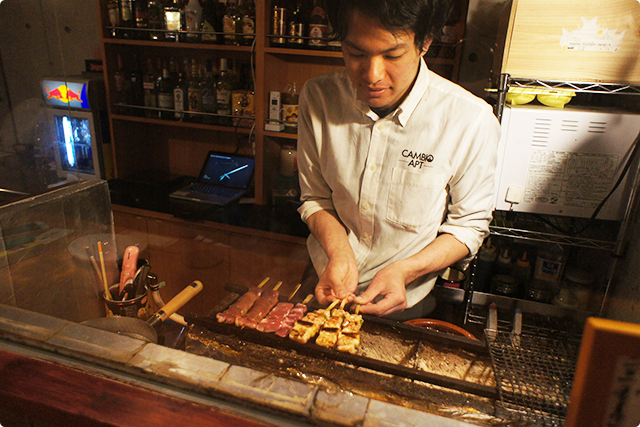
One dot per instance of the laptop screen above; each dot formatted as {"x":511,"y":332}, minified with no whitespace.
{"x":228,"y":170}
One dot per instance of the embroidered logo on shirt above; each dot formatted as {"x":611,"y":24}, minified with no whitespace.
{"x":416,"y":160}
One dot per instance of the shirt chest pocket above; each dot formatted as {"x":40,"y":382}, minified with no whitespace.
{"x":415,"y":198}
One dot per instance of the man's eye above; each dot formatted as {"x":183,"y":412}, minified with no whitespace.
{"x":393,"y":57}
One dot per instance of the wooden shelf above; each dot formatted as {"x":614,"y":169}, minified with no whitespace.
{"x":177,"y":146}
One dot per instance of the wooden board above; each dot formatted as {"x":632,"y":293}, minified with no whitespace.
{"x":608,"y":362}
{"x":574,"y":40}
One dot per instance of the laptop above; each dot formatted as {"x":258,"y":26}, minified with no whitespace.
{"x":224,"y":178}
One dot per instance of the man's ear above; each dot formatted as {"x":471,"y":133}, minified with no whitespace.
{"x":426,"y":45}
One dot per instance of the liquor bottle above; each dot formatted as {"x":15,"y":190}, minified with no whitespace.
{"x":155,"y":19}
{"x":279,"y":14}
{"x":126,"y":18}
{"x":224,"y":87}
{"x":194,"y":92}
{"x":179,"y":93}
{"x":119,"y":83}
{"x":164,"y":88}
{"x":297,"y":27}
{"x":318,"y":25}
{"x":231,"y":23}
{"x":173,"y":21}
{"x":209,"y":100}
{"x":149,"y":90}
{"x":140,"y":11}
{"x":248,"y":22}
{"x":113,"y":8}
{"x":193,"y":20}
{"x":211,"y":22}
{"x":135,"y":84}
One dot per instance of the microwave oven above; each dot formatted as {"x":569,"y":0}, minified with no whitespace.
{"x":564,"y":161}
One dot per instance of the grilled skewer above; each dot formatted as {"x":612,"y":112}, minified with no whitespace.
{"x":330,"y":330}
{"x":260,"y":309}
{"x":307,"y":327}
{"x":349,"y":338}
{"x":242,"y":306}
{"x":276,"y":317}
{"x":294,"y":315}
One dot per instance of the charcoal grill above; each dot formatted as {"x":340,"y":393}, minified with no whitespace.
{"x":402,"y":331}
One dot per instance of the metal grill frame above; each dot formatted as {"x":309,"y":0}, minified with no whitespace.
{"x":534,"y":374}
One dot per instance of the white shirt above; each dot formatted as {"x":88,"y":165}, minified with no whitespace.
{"x":397,"y":182}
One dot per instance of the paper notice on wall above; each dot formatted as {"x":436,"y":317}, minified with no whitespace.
{"x":569,"y":178}
{"x":591,"y":37}
{"x":623,"y":409}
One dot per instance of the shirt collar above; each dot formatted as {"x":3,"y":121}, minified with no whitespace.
{"x":404,"y":111}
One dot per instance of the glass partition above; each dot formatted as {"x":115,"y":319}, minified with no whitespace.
{"x":53,"y":124}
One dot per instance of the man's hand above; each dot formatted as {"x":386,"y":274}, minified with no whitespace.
{"x":338,"y":281}
{"x":389,"y":283}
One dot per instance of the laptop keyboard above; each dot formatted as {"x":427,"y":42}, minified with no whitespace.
{"x":219,"y":191}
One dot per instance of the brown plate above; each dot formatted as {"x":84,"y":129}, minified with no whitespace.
{"x":440,"y":325}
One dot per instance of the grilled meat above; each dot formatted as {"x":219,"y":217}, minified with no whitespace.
{"x":349,"y":338}
{"x":294,"y":315}
{"x":260,"y":309}
{"x":276,"y":318}
{"x":307,"y":327}
{"x":240,"y":307}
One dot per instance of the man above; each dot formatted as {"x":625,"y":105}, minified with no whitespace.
{"x":396,"y":163}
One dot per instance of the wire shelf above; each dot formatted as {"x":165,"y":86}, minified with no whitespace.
{"x":586,"y":87}
{"x":555,"y":229}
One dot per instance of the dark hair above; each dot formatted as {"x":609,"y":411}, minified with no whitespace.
{"x":425,"y":18}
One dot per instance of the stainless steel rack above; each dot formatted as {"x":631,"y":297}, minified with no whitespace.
{"x":556,"y":229}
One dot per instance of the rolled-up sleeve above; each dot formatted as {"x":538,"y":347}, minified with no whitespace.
{"x":315,"y":192}
{"x":471,"y":189}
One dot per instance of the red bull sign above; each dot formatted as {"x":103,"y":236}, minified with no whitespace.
{"x":65,"y":94}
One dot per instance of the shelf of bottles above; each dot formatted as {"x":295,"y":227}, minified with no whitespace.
{"x":188,"y":87}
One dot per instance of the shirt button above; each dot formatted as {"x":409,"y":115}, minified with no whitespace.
{"x":365,"y":206}
{"x":380,"y":127}
{"x":373,"y":167}
{"x":367,"y":235}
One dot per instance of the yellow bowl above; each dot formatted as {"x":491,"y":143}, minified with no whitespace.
{"x":519,"y":96}
{"x":556,"y":99}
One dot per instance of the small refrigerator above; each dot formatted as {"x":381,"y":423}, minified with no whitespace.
{"x":77,"y":110}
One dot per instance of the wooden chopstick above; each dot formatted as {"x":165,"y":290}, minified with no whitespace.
{"x":96,"y":269}
{"x":107,"y":294}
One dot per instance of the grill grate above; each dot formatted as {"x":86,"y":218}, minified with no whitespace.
{"x":534,"y":374}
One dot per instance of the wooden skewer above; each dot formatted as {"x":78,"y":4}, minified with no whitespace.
{"x":307,"y":299}
{"x":357,"y":308}
{"x":107,"y":294}
{"x":294,"y":291}
{"x":343,"y":303}
{"x":265,"y":280}
{"x":275,"y":288}
{"x":333,"y":304}
{"x":96,"y":269}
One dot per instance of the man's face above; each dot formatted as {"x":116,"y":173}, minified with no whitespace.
{"x":382,"y":66}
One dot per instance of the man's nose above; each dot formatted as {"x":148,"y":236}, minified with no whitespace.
{"x":373,"y":70}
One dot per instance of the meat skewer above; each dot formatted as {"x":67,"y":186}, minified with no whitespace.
{"x":330,"y":330}
{"x":294,"y":315}
{"x":260,"y":309}
{"x":242,"y":305}
{"x":307,"y":327}
{"x":349,"y":338}
{"x":274,"y":320}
